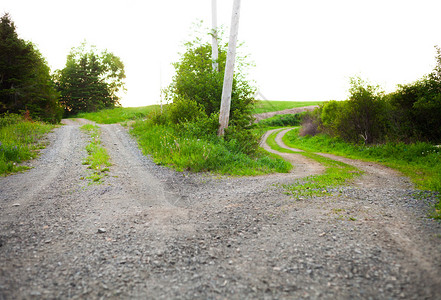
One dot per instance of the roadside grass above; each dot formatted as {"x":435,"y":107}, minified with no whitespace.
{"x":263,"y":106}
{"x":183,"y":151}
{"x":20,"y":140}
{"x":119,"y":114}
{"x":98,"y":159}
{"x":336,"y":174}
{"x":421,"y":162}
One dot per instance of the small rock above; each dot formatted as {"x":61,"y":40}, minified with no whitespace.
{"x":102,"y":230}
{"x":16,"y":204}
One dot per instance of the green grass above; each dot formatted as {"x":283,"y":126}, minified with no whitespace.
{"x":181,"y":151}
{"x":98,"y":159}
{"x":421,"y":161}
{"x":20,"y":140}
{"x":119,"y":114}
{"x":336,"y":174}
{"x":263,"y":106}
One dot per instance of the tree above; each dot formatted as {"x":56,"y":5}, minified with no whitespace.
{"x":361,"y":118}
{"x":196,"y":80}
{"x":90,"y":81}
{"x":25,"y":81}
{"x":417,"y":107}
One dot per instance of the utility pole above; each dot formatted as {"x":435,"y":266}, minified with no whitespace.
{"x":224,"y":114}
{"x":214,"y":47}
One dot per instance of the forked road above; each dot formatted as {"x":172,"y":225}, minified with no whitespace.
{"x":176,"y":235}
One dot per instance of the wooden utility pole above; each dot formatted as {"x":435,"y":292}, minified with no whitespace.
{"x":214,"y":47}
{"x":224,"y":114}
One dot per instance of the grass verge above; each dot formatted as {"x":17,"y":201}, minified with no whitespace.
{"x":98,"y":159}
{"x":336,"y":174}
{"x":421,"y":161}
{"x":183,"y":151}
{"x":20,"y":140}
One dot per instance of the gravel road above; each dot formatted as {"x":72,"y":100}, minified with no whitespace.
{"x":148,"y":232}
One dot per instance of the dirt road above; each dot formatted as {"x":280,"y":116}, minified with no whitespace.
{"x":148,"y":232}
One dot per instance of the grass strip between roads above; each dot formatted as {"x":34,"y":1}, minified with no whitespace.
{"x":98,"y":159}
{"x":421,"y":162}
{"x":336,"y":174}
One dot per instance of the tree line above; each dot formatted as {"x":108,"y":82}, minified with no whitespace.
{"x":370,"y":116}
{"x":90,"y":81}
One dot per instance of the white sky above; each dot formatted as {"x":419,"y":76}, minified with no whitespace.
{"x":304,"y":50}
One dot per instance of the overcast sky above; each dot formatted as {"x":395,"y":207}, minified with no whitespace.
{"x":303,"y":50}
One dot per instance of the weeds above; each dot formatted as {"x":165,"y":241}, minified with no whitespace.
{"x":20,"y":140}
{"x":207,"y":153}
{"x":98,"y":158}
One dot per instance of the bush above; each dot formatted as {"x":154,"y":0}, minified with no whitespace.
{"x":362,"y":118}
{"x":197,"y":83}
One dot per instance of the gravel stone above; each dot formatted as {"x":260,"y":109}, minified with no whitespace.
{"x":178,"y":235}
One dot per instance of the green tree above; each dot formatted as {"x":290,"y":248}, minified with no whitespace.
{"x":417,"y":107}
{"x":361,"y":118}
{"x":25,"y":81}
{"x":195,"y":80}
{"x":90,"y":81}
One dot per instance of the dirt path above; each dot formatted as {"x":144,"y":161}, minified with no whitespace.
{"x":178,"y":235}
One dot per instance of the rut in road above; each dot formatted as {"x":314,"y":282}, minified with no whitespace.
{"x":376,"y":176}
{"x":178,"y":235}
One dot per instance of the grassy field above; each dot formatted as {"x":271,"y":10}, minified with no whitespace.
{"x":20,"y":140}
{"x":263,"y":106}
{"x":119,"y":114}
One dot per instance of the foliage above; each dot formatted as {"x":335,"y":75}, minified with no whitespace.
{"x":419,"y":161}
{"x":90,"y":81}
{"x":417,"y":108}
{"x":20,"y":140}
{"x":412,"y":113}
{"x":263,"y":106}
{"x":119,"y":114}
{"x":361,"y":118}
{"x":197,"y":83}
{"x":25,"y":82}
{"x":189,"y":150}
{"x":98,"y":158}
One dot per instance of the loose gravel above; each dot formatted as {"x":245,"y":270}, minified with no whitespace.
{"x":148,"y":232}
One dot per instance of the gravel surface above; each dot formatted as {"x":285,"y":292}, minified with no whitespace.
{"x":148,"y":232}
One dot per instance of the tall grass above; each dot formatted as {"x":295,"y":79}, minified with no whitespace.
{"x":263,"y":106}
{"x":170,"y":147}
{"x":420,"y":161}
{"x":20,"y":140}
{"x":119,"y":114}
